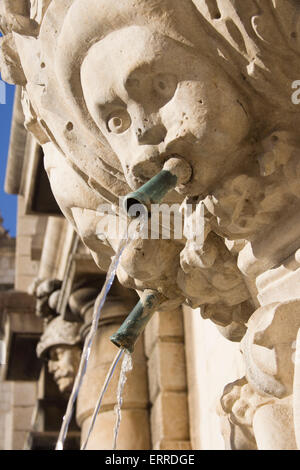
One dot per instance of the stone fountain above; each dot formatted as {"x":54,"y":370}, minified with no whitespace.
{"x":113,"y":90}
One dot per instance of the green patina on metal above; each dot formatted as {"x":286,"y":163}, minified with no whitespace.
{"x":153,"y":191}
{"x":136,"y":321}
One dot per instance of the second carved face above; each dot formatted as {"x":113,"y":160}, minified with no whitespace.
{"x":63,"y":365}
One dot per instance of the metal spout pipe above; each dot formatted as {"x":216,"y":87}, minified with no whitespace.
{"x":137,"y":320}
{"x":175,"y":172}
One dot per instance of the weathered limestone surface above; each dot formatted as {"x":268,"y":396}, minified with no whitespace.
{"x":111,"y":91}
{"x":7,"y":258}
{"x":165,"y":351}
{"x":27,"y":228}
{"x":24,"y":397}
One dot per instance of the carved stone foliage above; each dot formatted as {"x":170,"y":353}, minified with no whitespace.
{"x":47,"y":293}
{"x":261,"y":410}
{"x":238,"y":405}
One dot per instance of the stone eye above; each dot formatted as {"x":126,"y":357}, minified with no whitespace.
{"x":165,"y":84}
{"x":118,"y":121}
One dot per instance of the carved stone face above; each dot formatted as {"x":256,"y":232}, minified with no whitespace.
{"x":63,"y":364}
{"x":152,"y":96}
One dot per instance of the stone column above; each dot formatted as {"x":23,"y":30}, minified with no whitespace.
{"x":135,"y":426}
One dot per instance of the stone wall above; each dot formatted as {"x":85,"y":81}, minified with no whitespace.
{"x":198,"y":96}
{"x":24,"y":396}
{"x":5,"y":415}
{"x":28,"y":228}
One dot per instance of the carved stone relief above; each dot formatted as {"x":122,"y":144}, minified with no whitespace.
{"x":60,"y":346}
{"x":261,"y":409}
{"x":111,"y":90}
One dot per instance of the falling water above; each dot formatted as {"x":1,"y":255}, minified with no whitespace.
{"x":88,"y":344}
{"x":126,"y":367}
{"x":133,"y":232}
{"x":104,"y":388}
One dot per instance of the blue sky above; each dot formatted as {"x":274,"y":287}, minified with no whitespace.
{"x":8,"y":203}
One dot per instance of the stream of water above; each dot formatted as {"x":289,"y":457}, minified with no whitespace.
{"x":126,"y":367}
{"x":88,"y":344}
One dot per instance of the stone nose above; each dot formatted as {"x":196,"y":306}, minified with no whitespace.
{"x":150,"y":134}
